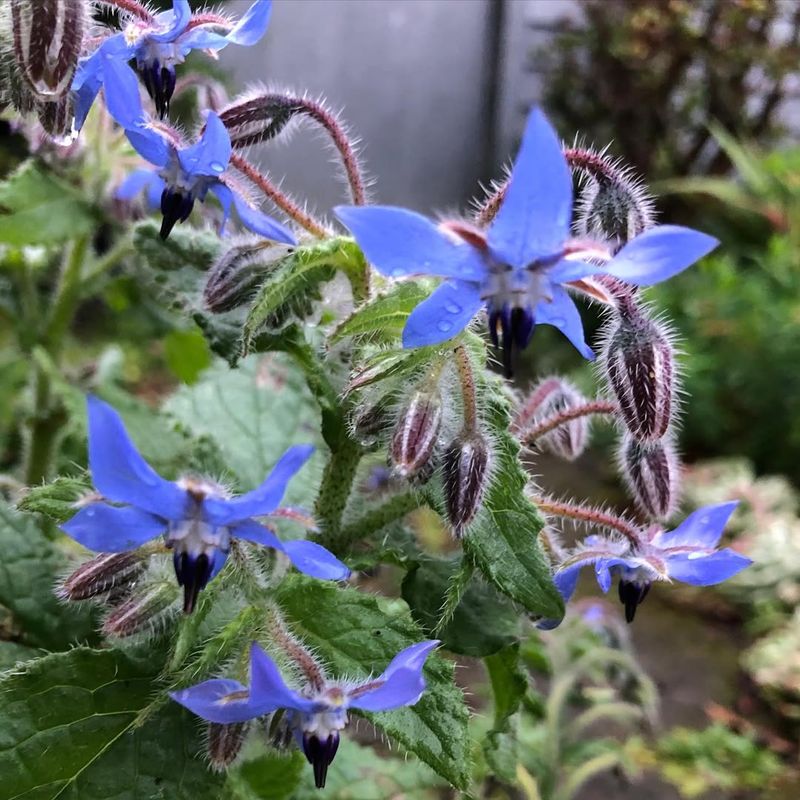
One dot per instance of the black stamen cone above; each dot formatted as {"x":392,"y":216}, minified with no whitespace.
{"x":160,"y":84}
{"x":176,"y":207}
{"x":631,"y":595}
{"x":320,"y":755}
{"x":193,"y":574}
{"x":516,"y":327}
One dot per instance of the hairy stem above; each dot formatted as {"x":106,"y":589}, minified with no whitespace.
{"x":337,"y":482}
{"x":393,"y":509}
{"x":130,"y":7}
{"x":568,"y":415}
{"x":590,"y":516}
{"x":293,"y":648}
{"x":458,"y":585}
{"x":279,"y":198}
{"x":467,"y":379}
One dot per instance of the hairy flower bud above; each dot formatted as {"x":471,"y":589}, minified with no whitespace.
{"x":56,"y":117}
{"x":465,"y":466}
{"x":416,"y":433}
{"x":257,"y":119}
{"x":651,"y":473}
{"x":225,"y":743}
{"x":239,"y":271}
{"x":639,"y":367}
{"x":569,"y":439}
{"x":142,"y":611}
{"x":101,"y":574}
{"x":48,"y":37}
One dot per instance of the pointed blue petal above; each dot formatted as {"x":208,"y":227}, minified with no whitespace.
{"x":253,"y":531}
{"x":314,"y":560}
{"x":253,"y":25}
{"x":702,"y":528}
{"x":121,"y":88}
{"x":443,"y":315}
{"x":208,"y":700}
{"x":175,"y":22}
{"x":571,"y":270}
{"x":267,"y":687}
{"x":398,"y":242}
{"x":534,"y":218}
{"x":706,"y":570}
{"x":563,"y":314}
{"x":566,"y":580}
{"x":135,"y":183}
{"x":401,"y":684}
{"x":266,"y":498}
{"x":255,"y":220}
{"x":211,"y":154}
{"x":119,"y":471}
{"x":659,"y":253}
{"x":106,"y":529}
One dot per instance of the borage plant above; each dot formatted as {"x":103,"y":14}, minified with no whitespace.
{"x":321,"y":342}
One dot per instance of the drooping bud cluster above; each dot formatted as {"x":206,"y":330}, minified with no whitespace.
{"x":224,"y":743}
{"x":416,"y":435}
{"x":105,"y":573}
{"x":143,"y":611}
{"x":259,"y":118}
{"x":651,"y":471}
{"x":466,"y":467}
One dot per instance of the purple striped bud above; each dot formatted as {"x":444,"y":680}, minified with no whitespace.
{"x":48,"y":37}
{"x":251,"y":120}
{"x":239,"y":271}
{"x":569,"y":439}
{"x":651,"y":471}
{"x":56,"y":117}
{"x":224,"y":743}
{"x":143,"y":611}
{"x":102,"y":574}
{"x":466,"y":466}
{"x":416,"y":433}
{"x":639,"y":366}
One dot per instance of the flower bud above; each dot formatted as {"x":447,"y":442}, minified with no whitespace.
{"x":146,"y":609}
{"x":639,"y":367}
{"x":56,"y":118}
{"x":239,"y":271}
{"x":416,"y":433}
{"x":258,"y":119}
{"x":568,"y":440}
{"x":48,"y":37}
{"x":465,"y":466}
{"x":101,"y":574}
{"x":651,"y":473}
{"x":225,"y":743}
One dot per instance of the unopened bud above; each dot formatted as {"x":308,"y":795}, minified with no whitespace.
{"x":567,"y":440}
{"x":651,"y":472}
{"x":258,"y":119}
{"x":102,"y":574}
{"x":417,"y":433}
{"x":239,"y":271}
{"x":465,"y":466}
{"x":48,"y":37}
{"x":56,"y":118}
{"x":639,"y":366}
{"x":225,"y":743}
{"x":145,"y":610}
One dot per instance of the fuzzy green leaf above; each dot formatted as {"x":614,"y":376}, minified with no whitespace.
{"x":357,"y":635}
{"x":39,"y":209}
{"x":67,"y":730}
{"x":509,"y":683}
{"x":56,"y":500}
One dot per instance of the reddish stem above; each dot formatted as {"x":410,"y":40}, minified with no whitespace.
{"x":591,"y":516}
{"x":576,"y":412}
{"x":131,"y":7}
{"x":299,"y":655}
{"x":207,"y":18}
{"x":283,"y":201}
{"x":528,"y":409}
{"x":467,"y":380}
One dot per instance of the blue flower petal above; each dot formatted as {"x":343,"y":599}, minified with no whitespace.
{"x":563,"y":314}
{"x":314,"y":560}
{"x":247,"y":31}
{"x":121,"y":88}
{"x":176,"y":20}
{"x":208,"y":700}
{"x":566,"y":580}
{"x":571,"y":270}
{"x":136,"y":182}
{"x":443,"y":315}
{"x":253,"y":531}
{"x":266,"y":498}
{"x":107,"y":529}
{"x":706,"y":570}
{"x":268,"y":689}
{"x":702,"y":528}
{"x":398,"y":242}
{"x":211,"y":154}
{"x":401,"y":684}
{"x":534,"y":218}
{"x":119,"y":471}
{"x":659,"y":253}
{"x":252,"y":219}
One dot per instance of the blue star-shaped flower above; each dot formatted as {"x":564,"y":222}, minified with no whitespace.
{"x":197,"y":518}
{"x":519,"y":266}
{"x":688,"y":554}
{"x":157,"y":44}
{"x":316,"y":714}
{"x":183,"y":174}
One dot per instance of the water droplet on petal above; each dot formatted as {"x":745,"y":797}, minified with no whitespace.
{"x":452,"y":308}
{"x":216,"y":166}
{"x":444,"y":325}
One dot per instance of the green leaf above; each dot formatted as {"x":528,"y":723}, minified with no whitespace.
{"x":384,"y":317}
{"x":185,"y":249}
{"x":503,"y":540}
{"x":12,"y":653}
{"x":484,"y":621}
{"x":38,"y":208}
{"x":67,"y":730}
{"x":252,"y":414}
{"x":29,"y":569}
{"x":509,"y":683}
{"x":56,"y":500}
{"x":358,"y":635}
{"x":187,"y":354}
{"x":269,"y":777}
